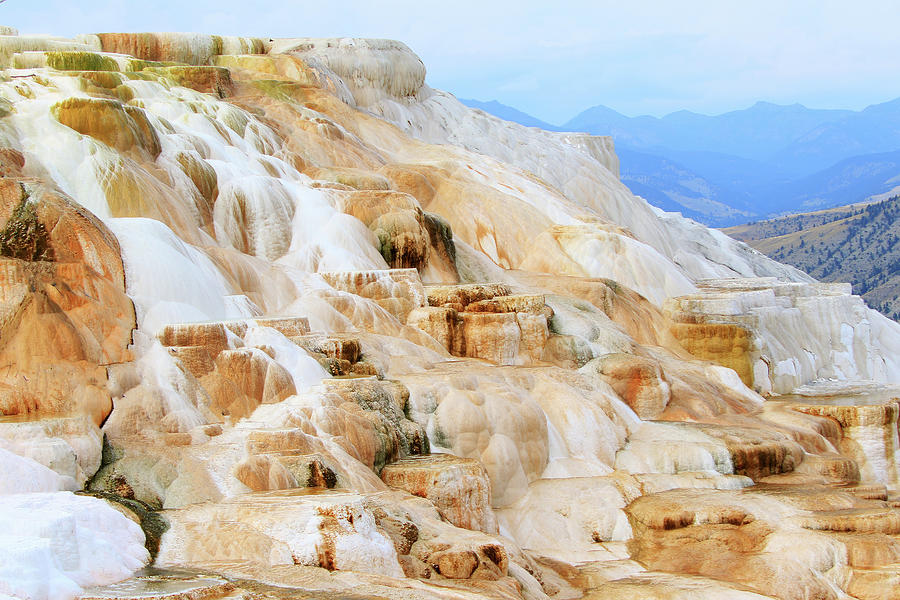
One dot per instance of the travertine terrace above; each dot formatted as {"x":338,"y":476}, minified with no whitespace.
{"x":278,"y":320}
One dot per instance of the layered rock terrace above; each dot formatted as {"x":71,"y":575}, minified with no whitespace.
{"x":277,"y":320}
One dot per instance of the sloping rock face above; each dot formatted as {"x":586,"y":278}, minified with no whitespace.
{"x":64,"y":305}
{"x":65,"y":319}
{"x":250,"y":285}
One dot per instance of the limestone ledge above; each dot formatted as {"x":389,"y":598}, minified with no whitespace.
{"x":780,"y":335}
{"x":198,"y":345}
{"x":867,"y":417}
{"x":340,"y":354}
{"x":398,"y":291}
{"x":678,"y":527}
{"x":387,"y":534}
{"x":486,"y":321}
{"x":458,"y":487}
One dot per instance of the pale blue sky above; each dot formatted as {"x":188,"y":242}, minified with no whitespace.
{"x":554,"y":59}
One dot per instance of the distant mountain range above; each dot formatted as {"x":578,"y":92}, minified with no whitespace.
{"x":765,"y":160}
{"x":755,"y":133}
{"x":856,"y":243}
{"x":508,"y":113}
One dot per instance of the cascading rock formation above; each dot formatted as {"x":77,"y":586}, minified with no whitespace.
{"x":279,"y":320}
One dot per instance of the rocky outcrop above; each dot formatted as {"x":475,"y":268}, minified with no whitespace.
{"x":340,"y":355}
{"x":458,"y":487}
{"x":754,"y":326}
{"x":484,"y":321}
{"x":407,"y":236}
{"x":384,"y":406}
{"x":638,"y":381}
{"x":398,"y":291}
{"x":284,"y":471}
{"x":65,"y":314}
{"x":397,"y":221}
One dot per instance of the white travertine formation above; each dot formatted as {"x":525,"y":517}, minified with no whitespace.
{"x":371,"y":69}
{"x":801,"y":331}
{"x":53,"y":545}
{"x":282,"y":530}
{"x":584,"y":170}
{"x":24,"y":475}
{"x":578,"y":350}
{"x":566,"y":518}
{"x":70,"y":447}
{"x":437,"y":117}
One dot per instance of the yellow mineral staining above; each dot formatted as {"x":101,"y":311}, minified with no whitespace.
{"x":118,"y":125}
{"x":204,"y":178}
{"x":11,"y":45}
{"x":206,"y":79}
{"x":412,"y":179}
{"x":80,"y":61}
{"x":266,"y":70}
{"x":368,"y":206}
{"x":356,"y":178}
{"x":131,"y":191}
{"x":722,"y":343}
{"x":188,"y":48}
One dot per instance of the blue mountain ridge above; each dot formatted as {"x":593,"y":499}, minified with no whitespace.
{"x":764,"y":160}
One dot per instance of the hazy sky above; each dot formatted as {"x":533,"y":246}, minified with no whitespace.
{"x":554,"y":59}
